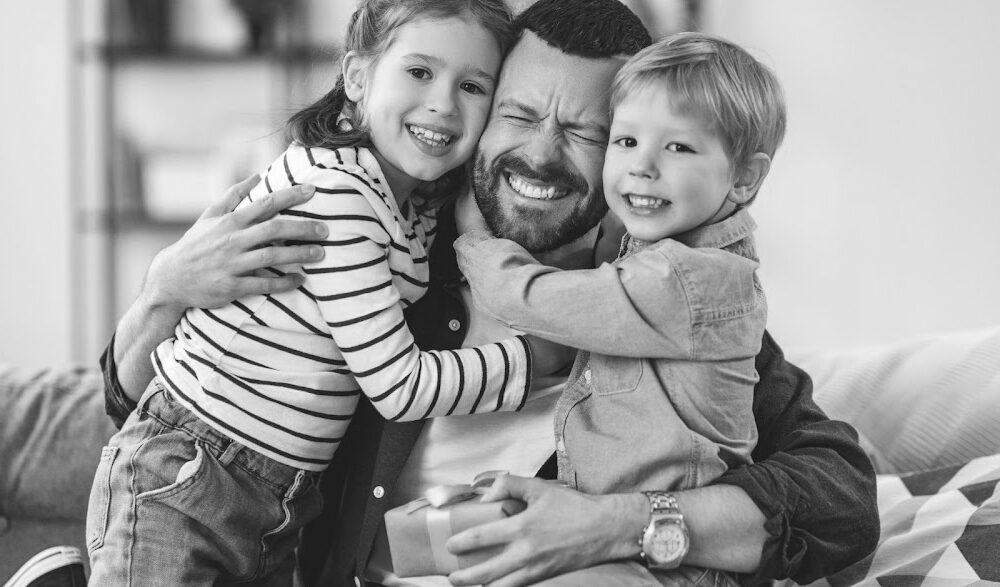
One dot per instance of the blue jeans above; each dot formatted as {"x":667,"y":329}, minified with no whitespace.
{"x":175,"y":502}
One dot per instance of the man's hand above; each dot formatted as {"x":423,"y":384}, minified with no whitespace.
{"x":214,"y":262}
{"x":560,"y":531}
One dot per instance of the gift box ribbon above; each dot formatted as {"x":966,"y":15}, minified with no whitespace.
{"x":438,"y":517}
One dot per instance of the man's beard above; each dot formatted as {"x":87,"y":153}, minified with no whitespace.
{"x":528,"y":226}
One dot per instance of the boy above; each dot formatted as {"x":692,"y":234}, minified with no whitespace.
{"x":695,"y":123}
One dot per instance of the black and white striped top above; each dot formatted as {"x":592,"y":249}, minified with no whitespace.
{"x":282,"y":373}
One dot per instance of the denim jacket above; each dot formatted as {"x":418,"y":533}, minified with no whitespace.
{"x":627,"y":421}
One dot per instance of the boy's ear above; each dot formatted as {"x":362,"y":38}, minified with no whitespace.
{"x":355,"y":70}
{"x":748,"y":179}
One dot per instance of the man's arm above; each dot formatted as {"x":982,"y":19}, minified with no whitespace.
{"x":213,"y":263}
{"x":804,"y":509}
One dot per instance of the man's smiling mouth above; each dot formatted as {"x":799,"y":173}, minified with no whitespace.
{"x":430,"y":137}
{"x":536,"y":192}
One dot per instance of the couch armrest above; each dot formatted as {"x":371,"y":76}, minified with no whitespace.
{"x":922,"y":403}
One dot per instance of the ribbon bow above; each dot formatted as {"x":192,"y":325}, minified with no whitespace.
{"x":442,"y":495}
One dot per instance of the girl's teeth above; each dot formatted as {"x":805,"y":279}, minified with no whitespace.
{"x":645,"y":202}
{"x":430,"y":137}
{"x":531,"y":191}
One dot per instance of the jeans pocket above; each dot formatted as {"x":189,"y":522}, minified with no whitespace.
{"x":99,"y":507}
{"x":187,"y":474}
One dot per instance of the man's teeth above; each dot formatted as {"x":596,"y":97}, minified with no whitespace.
{"x":432,"y":138}
{"x":644,"y":201}
{"x":532,"y":191}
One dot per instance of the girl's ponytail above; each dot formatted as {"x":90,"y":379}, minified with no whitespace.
{"x":316,"y":125}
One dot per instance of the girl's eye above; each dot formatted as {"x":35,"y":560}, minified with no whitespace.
{"x":472,"y":88}
{"x":419,"y":72}
{"x":627,"y":142}
{"x":679,"y":148}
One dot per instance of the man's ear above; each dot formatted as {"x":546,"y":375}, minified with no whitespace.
{"x":748,"y":179}
{"x":355,"y":70}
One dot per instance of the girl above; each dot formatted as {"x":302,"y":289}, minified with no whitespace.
{"x":216,"y":471}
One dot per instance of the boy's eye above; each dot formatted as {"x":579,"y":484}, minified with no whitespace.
{"x":679,"y":148}
{"x":627,"y":142}
{"x":419,"y":72}
{"x":472,"y":88}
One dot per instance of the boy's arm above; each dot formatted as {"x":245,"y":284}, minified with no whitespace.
{"x":641,"y":307}
{"x":213,"y":263}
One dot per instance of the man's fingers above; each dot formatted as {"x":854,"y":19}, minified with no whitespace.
{"x":510,"y":486}
{"x":227,"y":203}
{"x":280,"y":229}
{"x":505,"y":568}
{"x":250,"y":286}
{"x":268,"y":205}
{"x":484,"y":535}
{"x":276,"y":255}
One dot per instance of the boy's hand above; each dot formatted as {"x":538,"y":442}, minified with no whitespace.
{"x":547,"y":357}
{"x":214,"y":262}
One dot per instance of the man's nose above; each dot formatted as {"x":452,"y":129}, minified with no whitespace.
{"x":440,"y":99}
{"x":542,"y":149}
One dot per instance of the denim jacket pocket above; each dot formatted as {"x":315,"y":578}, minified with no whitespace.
{"x":612,"y":375}
{"x":100,"y":499}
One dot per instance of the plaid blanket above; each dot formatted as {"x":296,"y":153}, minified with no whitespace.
{"x":939,"y":527}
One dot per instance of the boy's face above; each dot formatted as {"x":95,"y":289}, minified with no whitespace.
{"x":666,"y":171}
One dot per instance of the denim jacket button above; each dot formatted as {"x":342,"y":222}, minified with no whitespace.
{"x":378,"y":492}
{"x":454,"y":325}
{"x":587,"y":376}
{"x":560,"y":445}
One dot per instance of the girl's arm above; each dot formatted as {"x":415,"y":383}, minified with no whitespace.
{"x":354,"y":289}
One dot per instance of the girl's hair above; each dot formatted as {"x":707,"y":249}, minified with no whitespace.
{"x":370,"y":32}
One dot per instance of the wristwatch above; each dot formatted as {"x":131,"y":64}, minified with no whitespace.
{"x":665,"y":540}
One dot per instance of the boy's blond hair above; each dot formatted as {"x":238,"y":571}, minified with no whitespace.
{"x":718,"y":80}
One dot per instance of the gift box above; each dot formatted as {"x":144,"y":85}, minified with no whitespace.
{"x":418,"y":530}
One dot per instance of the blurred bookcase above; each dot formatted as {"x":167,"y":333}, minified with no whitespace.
{"x":174,"y":101}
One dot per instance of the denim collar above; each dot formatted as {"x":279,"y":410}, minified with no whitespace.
{"x":734,"y":228}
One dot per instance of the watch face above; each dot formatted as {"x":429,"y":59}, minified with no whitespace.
{"x":668,"y":542}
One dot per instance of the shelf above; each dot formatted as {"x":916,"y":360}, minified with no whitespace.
{"x":139,"y":53}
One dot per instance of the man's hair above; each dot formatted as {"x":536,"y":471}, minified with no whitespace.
{"x":718,"y":80}
{"x":585,"y":28}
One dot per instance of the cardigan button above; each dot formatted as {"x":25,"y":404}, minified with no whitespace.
{"x":454,"y":325}
{"x":378,"y":492}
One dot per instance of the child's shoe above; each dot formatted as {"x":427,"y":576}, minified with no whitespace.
{"x":59,"y":566}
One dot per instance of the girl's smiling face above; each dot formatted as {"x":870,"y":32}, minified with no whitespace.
{"x":426,"y":98}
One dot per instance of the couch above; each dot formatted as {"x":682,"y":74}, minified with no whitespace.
{"x":928,"y":405}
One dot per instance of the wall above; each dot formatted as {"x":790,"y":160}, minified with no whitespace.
{"x":879,"y":218}
{"x":35,"y":150}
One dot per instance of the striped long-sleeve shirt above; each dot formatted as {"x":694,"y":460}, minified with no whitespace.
{"x":282,"y":373}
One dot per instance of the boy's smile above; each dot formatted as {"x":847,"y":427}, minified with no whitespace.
{"x":666,"y":170}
